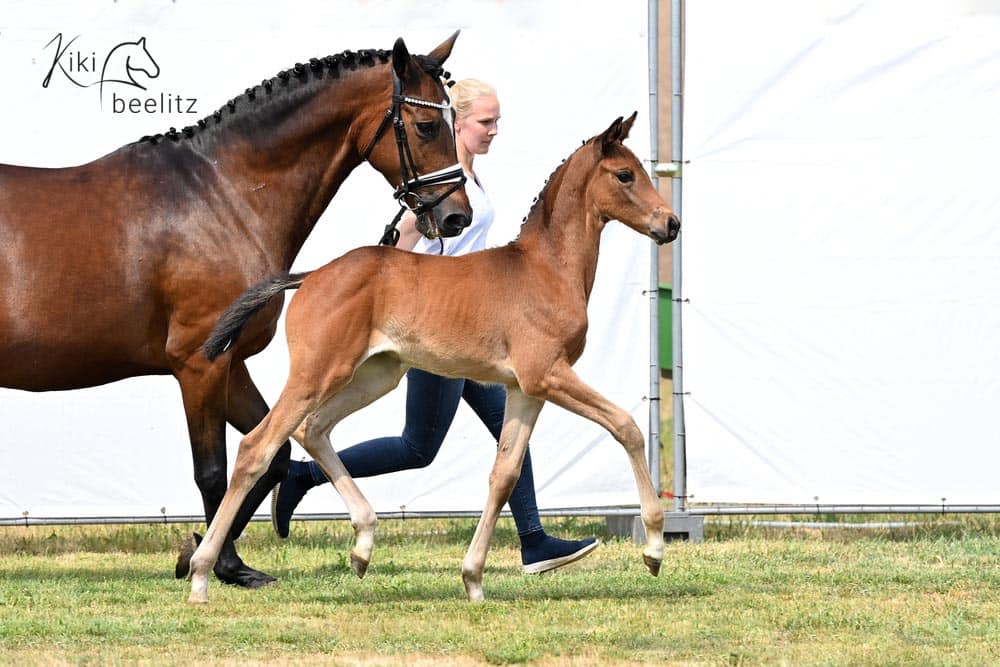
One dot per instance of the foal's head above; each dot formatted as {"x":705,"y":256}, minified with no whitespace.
{"x":620,"y":188}
{"x":418,"y":156}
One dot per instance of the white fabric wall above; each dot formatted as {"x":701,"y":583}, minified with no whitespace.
{"x":842,"y":251}
{"x":564,"y":72}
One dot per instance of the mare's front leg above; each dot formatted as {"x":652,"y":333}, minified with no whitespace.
{"x":519,"y":419}
{"x":246,"y":408}
{"x":563,"y":387}
{"x":203,"y":388}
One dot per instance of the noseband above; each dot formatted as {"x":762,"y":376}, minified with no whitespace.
{"x":407,"y":169}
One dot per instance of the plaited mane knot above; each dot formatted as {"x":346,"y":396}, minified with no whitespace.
{"x":301,"y":72}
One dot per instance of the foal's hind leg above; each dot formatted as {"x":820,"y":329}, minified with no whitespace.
{"x":563,"y":387}
{"x":519,"y":420}
{"x":245,"y":408}
{"x":373,"y":379}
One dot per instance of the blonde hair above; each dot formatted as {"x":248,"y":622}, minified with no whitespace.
{"x":467,"y":91}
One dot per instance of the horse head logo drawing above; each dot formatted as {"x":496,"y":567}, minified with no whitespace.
{"x":128,"y":63}
{"x":125,"y":61}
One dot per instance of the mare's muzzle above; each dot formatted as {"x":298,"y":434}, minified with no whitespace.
{"x":438,"y":213}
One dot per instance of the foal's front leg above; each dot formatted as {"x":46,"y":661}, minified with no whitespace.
{"x":519,"y":420}
{"x":565,"y":388}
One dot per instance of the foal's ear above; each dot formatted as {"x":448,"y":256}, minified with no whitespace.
{"x":627,"y":126}
{"x":400,"y":58}
{"x":610,"y":136}
{"x":443,"y":50}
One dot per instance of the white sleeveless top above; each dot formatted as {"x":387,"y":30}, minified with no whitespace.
{"x":474,"y":236}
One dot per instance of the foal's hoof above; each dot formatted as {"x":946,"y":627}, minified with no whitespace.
{"x":195,"y":599}
{"x":652,"y":564}
{"x":473,"y":587}
{"x":188,"y":545}
{"x":359,"y":565}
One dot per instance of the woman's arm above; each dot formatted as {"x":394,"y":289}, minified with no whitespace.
{"x":408,"y":234}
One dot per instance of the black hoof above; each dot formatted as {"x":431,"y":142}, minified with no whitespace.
{"x":236,"y":573}
{"x":243,"y":576}
{"x":188,"y":545}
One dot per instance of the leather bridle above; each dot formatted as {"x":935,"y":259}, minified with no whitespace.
{"x":407,"y":192}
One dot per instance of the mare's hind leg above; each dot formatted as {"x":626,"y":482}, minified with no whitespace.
{"x":564,"y":388}
{"x":256,"y":452}
{"x":372,"y":380}
{"x":520,"y":415}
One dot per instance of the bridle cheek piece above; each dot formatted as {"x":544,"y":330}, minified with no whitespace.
{"x":406,"y":194}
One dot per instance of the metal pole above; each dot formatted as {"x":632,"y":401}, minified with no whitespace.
{"x":654,"y":261}
{"x":677,"y":157}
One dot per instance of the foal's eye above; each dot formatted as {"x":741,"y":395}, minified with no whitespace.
{"x":625,"y":176}
{"x":427,"y":130}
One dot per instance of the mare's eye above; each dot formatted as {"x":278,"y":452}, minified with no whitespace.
{"x":427,"y":130}
{"x":625,"y":176}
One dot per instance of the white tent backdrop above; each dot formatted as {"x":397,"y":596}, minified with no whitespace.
{"x":564,"y":72}
{"x":842,"y":251}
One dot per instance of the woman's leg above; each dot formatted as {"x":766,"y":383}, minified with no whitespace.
{"x":539,"y":552}
{"x":431,"y":403}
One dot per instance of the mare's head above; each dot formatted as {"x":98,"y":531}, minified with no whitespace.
{"x":410,"y":139}
{"x":620,"y":189}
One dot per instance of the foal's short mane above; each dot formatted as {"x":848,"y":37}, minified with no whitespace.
{"x":293,"y":79}
{"x":549,"y":182}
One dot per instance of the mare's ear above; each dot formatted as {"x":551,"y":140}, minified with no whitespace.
{"x":610,"y":136}
{"x":400,"y":58}
{"x":627,"y":126}
{"x":443,"y":50}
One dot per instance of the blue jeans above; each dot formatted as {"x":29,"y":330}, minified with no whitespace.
{"x":431,"y":404}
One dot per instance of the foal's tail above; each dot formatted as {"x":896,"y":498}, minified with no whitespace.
{"x":227,"y":330}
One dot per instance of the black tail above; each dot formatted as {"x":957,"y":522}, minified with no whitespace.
{"x":227,"y":330}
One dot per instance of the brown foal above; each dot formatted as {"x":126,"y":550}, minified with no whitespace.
{"x":515,"y":315}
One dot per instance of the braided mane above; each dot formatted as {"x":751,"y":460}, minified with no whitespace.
{"x":330,"y":67}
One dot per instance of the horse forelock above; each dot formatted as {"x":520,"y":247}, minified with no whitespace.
{"x":289,"y":82}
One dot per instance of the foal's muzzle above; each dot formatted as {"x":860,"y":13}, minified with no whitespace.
{"x":664,"y":232}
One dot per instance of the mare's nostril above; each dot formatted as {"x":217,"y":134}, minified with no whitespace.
{"x":454,"y":223}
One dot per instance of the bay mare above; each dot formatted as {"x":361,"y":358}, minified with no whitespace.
{"x":120,"y":267}
{"x":515,"y":315}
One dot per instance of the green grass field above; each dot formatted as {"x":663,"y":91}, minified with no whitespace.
{"x":923,"y":595}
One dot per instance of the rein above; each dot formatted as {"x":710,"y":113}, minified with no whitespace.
{"x":412,"y":181}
